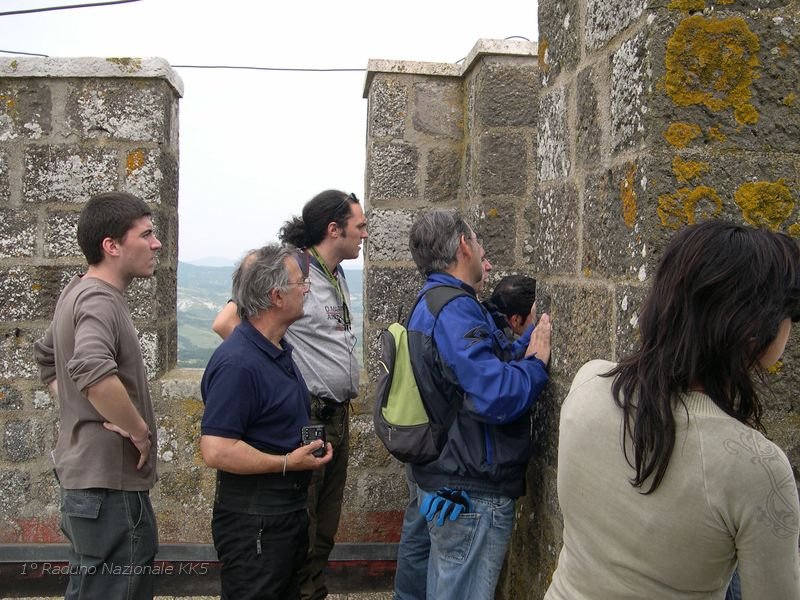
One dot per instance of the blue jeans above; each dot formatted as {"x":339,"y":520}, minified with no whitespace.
{"x":412,"y":554}
{"x":735,"y":588}
{"x":467,"y":554}
{"x":113,"y":539}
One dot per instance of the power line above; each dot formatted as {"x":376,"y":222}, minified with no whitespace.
{"x":66,"y":7}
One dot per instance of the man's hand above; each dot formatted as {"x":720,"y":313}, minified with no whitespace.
{"x":53,"y":387}
{"x":539,"y":345}
{"x":143,"y":445}
{"x":303,"y":458}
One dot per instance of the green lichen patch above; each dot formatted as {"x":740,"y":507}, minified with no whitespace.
{"x":713,"y":62}
{"x":765,"y":203}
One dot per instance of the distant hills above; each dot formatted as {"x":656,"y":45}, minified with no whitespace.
{"x":204,"y":290}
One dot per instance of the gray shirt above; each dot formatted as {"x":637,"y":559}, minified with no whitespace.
{"x":91,"y":337}
{"x":324,"y":347}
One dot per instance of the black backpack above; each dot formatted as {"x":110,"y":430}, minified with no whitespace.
{"x":402,"y":420}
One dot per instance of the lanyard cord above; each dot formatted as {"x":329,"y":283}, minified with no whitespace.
{"x":336,"y":286}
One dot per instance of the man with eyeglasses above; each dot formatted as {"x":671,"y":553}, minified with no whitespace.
{"x":331,"y":229}
{"x":463,"y":362}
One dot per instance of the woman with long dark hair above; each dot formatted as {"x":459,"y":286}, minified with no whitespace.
{"x":665,"y":480}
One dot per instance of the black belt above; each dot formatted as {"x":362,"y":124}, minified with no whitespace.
{"x":324,"y":408}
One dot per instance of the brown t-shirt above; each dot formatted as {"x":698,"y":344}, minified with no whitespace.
{"x":91,"y":337}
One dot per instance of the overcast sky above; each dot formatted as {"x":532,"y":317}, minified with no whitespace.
{"x":256,"y":145}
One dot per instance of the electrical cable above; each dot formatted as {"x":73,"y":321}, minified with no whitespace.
{"x":65,"y":7}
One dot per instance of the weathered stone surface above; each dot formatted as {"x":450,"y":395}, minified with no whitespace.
{"x":15,"y":487}
{"x":552,"y":153}
{"x":388,"y":238}
{"x":628,"y":300}
{"x":390,"y":291}
{"x":559,"y":23}
{"x":442,"y":175}
{"x":17,"y":233}
{"x":370,"y":489}
{"x":10,"y":397}
{"x":393,"y":171}
{"x":606,"y":18}
{"x":151,"y":175}
{"x":67,"y":173}
{"x":42,"y":400}
{"x":141,"y":298}
{"x":507,"y":95}
{"x":588,"y":135}
{"x":503,"y":164}
{"x":23,"y":439}
{"x":124,"y":110}
{"x":366,"y":449}
{"x":438,"y":108}
{"x":30,"y":293}
{"x":780,"y":397}
{"x":166,"y":290}
{"x":16,"y":352}
{"x":497,"y":227}
{"x":550,"y":244}
{"x":631,"y":83}
{"x":5,"y":192}
{"x":60,"y":234}
{"x":388,"y":106}
{"x":184,"y":504}
{"x":25,"y":110}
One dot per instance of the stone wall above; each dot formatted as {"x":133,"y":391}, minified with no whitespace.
{"x":71,"y":128}
{"x":637,"y":119}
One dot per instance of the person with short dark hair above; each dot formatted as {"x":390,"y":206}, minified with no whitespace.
{"x":485,"y":452}
{"x":665,"y":481}
{"x":91,"y":359}
{"x":331,"y":229}
{"x":514,"y":297}
{"x":256,"y":405}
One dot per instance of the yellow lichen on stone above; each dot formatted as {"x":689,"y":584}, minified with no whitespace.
{"x":716,"y":134}
{"x":542,"y":50}
{"x":129,"y":65}
{"x":679,"y":134}
{"x":587,"y":272}
{"x":136,"y":160}
{"x":627,"y":194}
{"x":685,"y":170}
{"x":687,"y":5}
{"x":776,"y":368}
{"x":712,"y":62}
{"x":10,"y":103}
{"x":687,"y":206}
{"x":794,"y":230}
{"x":492,"y":213}
{"x":765,"y":203}
{"x":14,"y":64}
{"x":790,"y":99}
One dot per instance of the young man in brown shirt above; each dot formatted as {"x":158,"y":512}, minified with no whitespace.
{"x":92,"y":362}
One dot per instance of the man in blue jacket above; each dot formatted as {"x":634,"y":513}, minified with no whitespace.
{"x":464,"y":363}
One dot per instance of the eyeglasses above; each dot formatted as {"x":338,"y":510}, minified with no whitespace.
{"x":306,"y":283}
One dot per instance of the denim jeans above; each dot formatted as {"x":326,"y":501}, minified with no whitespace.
{"x":414,"y":549}
{"x":467,"y":554}
{"x":113,"y":539}
{"x":734,"y":588}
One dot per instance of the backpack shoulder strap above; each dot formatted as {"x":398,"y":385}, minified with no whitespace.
{"x":437,"y":297}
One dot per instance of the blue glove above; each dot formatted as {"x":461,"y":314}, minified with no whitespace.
{"x":445,"y":502}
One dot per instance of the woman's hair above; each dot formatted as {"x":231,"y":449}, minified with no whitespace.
{"x":719,"y":295}
{"x":330,"y":206}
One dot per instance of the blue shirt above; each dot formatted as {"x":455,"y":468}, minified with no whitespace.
{"x":254,"y":392}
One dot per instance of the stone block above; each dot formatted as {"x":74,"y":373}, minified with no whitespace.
{"x":503,"y":164}
{"x":607,"y":18}
{"x":25,"y":109}
{"x":559,"y":50}
{"x":23,"y":439}
{"x":388,"y":238}
{"x":780,"y":396}
{"x":152,"y":352}
{"x":42,"y":400}
{"x":581,"y":315}
{"x":550,"y":244}
{"x":497,"y":227}
{"x":68,"y":173}
{"x":141,"y":298}
{"x":10,"y":397}
{"x":15,"y":489}
{"x":552,"y":152}
{"x":388,"y":106}
{"x":393,"y":171}
{"x":389,"y":292}
{"x":628,"y":300}
{"x":61,"y":234}
{"x":17,"y":233}
{"x":366,"y":449}
{"x":373,"y":488}
{"x":30,"y":293}
{"x":588,"y":134}
{"x":16,"y":353}
{"x":439,"y":108}
{"x":507,"y":94}
{"x":631,"y":84}
{"x":152,"y":175}
{"x":166,"y":290}
{"x":127,"y":109}
{"x":442,"y":175}
{"x":5,"y":192}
